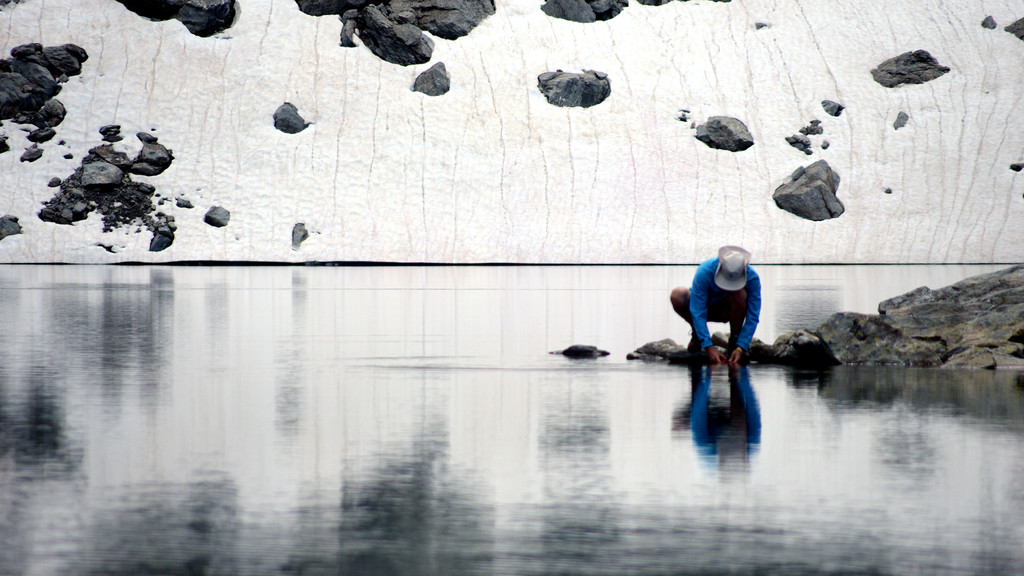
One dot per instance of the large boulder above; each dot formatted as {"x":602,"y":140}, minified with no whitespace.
{"x":101,"y":174}
{"x":31,"y":78}
{"x":569,"y":89}
{"x":217,"y":216}
{"x":434,"y":81}
{"x":325,"y":7}
{"x":153,"y":159}
{"x":201,"y":17}
{"x":810,"y":193}
{"x":448,"y":19}
{"x":725,"y":133}
{"x":393,"y":37}
{"x":915,"y":67}
{"x":854,"y":338}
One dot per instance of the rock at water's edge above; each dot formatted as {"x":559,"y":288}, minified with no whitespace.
{"x":581,"y":351}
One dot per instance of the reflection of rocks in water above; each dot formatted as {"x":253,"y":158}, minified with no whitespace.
{"x":904,"y":449}
{"x":170,"y":529}
{"x":983,"y":394}
{"x":412,"y":518}
{"x":33,"y":428}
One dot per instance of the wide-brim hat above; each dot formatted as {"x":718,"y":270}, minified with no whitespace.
{"x":732,"y":268}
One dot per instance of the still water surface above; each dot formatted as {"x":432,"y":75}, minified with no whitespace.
{"x":408,"y":420}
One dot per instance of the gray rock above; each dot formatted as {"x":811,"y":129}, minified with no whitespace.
{"x":41,"y":135}
{"x":568,"y":89}
{"x":1017,"y":166}
{"x":111,"y":133}
{"x":581,"y":351}
{"x":66,"y":59}
{"x":107,"y":153}
{"x":659,"y":350}
{"x":798,"y":348}
{"x":832,"y":108}
{"x":51,"y":114}
{"x":325,"y":7}
{"x":183,"y":203}
{"x":4,"y":146}
{"x":154,"y":9}
{"x":32,"y":153}
{"x":901,"y":120}
{"x":299,"y":235}
{"x":811,"y":193}
{"x":989,"y":22}
{"x":101,"y":174}
{"x":207,"y":17}
{"x":217,"y":217}
{"x":9,"y":226}
{"x":163,"y":237}
{"x":448,"y":19}
{"x":348,"y":29}
{"x":812,"y":129}
{"x":854,"y":338}
{"x":53,"y":183}
{"x":760,"y":25}
{"x":153,"y":159}
{"x":434,"y":81}
{"x":1017,"y":28}
{"x":800,"y":142}
{"x":288,"y":120}
{"x":825,"y":144}
{"x":146,"y":137}
{"x":583,"y":11}
{"x":725,"y":133}
{"x":915,"y":67}
{"x":391,"y":40}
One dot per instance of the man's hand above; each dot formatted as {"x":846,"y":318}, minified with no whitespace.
{"x":715,"y":355}
{"x":736,"y":356}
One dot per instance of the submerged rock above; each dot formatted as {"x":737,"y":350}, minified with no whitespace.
{"x":569,"y":89}
{"x":915,"y":67}
{"x":811,"y":193}
{"x":725,"y":133}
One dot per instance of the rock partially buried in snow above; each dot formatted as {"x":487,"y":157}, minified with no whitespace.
{"x":299,"y":235}
{"x":915,"y":67}
{"x":393,"y":37}
{"x":581,"y":351}
{"x":584,"y":11}
{"x":288,"y":120}
{"x":434,"y":81}
{"x":217,"y":217}
{"x":201,"y":17}
{"x":569,"y":89}
{"x":725,"y":133}
{"x":811,"y":193}
{"x":9,"y":226}
{"x":448,"y":19}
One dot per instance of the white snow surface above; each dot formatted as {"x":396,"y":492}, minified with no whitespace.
{"x":490,"y":172}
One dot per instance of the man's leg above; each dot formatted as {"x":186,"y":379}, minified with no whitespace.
{"x":680,"y":299}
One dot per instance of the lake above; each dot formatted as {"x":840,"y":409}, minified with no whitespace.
{"x":409,"y":420}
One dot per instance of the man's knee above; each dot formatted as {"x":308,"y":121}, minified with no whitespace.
{"x":680,"y":299}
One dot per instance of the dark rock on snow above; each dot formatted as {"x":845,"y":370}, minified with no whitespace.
{"x":288,"y":120}
{"x":217,"y":217}
{"x":1017,"y":166}
{"x":184,"y":203}
{"x":201,"y":17}
{"x":725,"y":133}
{"x":9,"y":226}
{"x":146,"y":137}
{"x":392,"y":36}
{"x":32,"y":153}
{"x":566,"y":89}
{"x":434,"y":81}
{"x":153,"y":159}
{"x":812,"y":129}
{"x":811,"y":193}
{"x":989,"y":22}
{"x":654,"y":2}
{"x":41,"y":135}
{"x":825,"y":144}
{"x":4,"y":146}
{"x":582,"y":10}
{"x":801,"y":143}
{"x":100,"y":174}
{"x":31,"y":78}
{"x":299,"y":235}
{"x":915,"y":67}
{"x":348,"y":28}
{"x":581,"y":351}
{"x":53,"y":183}
{"x":832,"y":108}
{"x":1017,"y":28}
{"x":325,"y":7}
{"x":448,"y":19}
{"x":901,"y":120}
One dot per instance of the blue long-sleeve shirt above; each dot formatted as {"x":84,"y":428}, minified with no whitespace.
{"x":704,"y":292}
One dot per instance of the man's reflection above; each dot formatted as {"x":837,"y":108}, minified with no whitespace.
{"x":725,"y":433}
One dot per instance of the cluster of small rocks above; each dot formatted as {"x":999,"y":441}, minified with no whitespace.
{"x":103,"y":183}
{"x":29,"y":81}
{"x":201,"y":17}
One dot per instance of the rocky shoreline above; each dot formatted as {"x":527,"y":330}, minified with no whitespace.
{"x":975,"y":323}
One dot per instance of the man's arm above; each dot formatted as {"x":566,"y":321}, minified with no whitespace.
{"x":699,"y":305}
